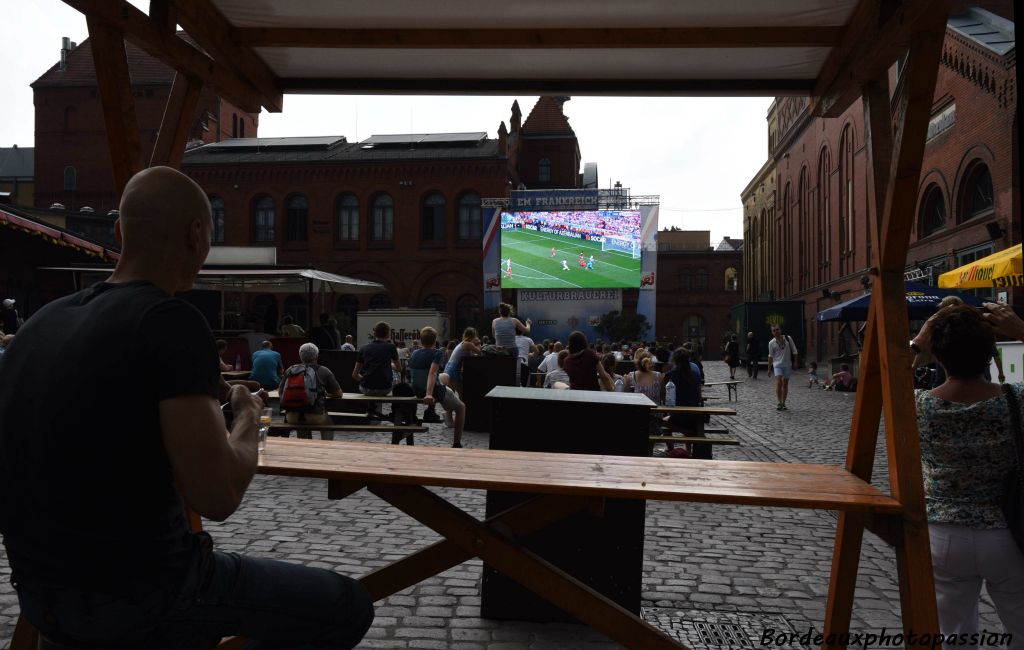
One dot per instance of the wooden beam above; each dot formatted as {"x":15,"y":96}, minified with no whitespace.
{"x":541,"y":38}
{"x":212,"y":31}
{"x":162,"y":13}
{"x":525,"y":567}
{"x":115,"y":88}
{"x":154,"y":38}
{"x":490,"y":85}
{"x":878,"y":33}
{"x":913,"y":556}
{"x":179,"y":116}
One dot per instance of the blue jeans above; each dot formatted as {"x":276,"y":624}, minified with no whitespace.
{"x":274,"y":604}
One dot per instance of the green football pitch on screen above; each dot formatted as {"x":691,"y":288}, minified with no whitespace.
{"x":533,"y":266}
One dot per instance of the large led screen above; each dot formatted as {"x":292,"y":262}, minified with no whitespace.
{"x":592,"y":249}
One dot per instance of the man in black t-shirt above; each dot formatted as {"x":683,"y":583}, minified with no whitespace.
{"x":375,"y":362}
{"x":109,"y":424}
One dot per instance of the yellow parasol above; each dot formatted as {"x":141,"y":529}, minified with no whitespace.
{"x":1002,"y":269}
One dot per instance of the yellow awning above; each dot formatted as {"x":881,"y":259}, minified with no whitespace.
{"x":1002,"y":269}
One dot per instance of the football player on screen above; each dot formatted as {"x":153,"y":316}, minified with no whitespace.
{"x":565,"y":265}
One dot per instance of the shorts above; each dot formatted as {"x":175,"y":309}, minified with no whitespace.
{"x":451,"y":400}
{"x":453,"y":372}
{"x":783,"y":371}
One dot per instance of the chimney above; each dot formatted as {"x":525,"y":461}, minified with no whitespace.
{"x":502,"y":139}
{"x":65,"y":48}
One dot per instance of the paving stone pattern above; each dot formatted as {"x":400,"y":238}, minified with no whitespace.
{"x":725,"y":567}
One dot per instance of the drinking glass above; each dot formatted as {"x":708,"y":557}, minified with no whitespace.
{"x":266,"y":416}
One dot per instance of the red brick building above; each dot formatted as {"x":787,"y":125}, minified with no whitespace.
{"x":697,"y":287}
{"x":72,"y":159}
{"x":817,"y":242}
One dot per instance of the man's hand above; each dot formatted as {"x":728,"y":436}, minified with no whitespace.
{"x":1004,"y":319}
{"x":243,"y":401}
{"x":429,"y":400}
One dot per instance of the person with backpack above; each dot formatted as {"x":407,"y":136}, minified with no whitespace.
{"x":781,"y":354}
{"x":304,"y":390}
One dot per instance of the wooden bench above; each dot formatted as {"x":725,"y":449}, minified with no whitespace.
{"x":563,"y":484}
{"x":694,"y":410}
{"x":694,"y":439}
{"x":731,"y":386}
{"x":398,"y":431}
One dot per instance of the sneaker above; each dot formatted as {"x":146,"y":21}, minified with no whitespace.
{"x":456,"y":445}
{"x":779,"y":407}
{"x":430,"y":415}
{"x":409,"y":440}
{"x":782,"y":407}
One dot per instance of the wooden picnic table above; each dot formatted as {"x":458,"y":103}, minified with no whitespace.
{"x":731,"y":386}
{"x":562,"y":485}
{"x":234,"y":374}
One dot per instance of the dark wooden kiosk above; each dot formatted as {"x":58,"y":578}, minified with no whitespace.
{"x":604,"y":550}
{"x":479,"y":376}
{"x":830,"y":51}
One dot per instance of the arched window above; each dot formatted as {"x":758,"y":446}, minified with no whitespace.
{"x":933,"y":212}
{"x":296,"y":219}
{"x":824,"y":216}
{"x":70,"y":179}
{"x":470,"y":219}
{"x":694,"y":328}
{"x":976,"y":192}
{"x":432,"y":219}
{"x":234,"y":125}
{"x":685,"y":280}
{"x":217,"y":208}
{"x":263,"y":219}
{"x":804,"y":228}
{"x":436,"y":302}
{"x":383,"y":225}
{"x":786,"y":240}
{"x":380,"y":301}
{"x":295,"y":306}
{"x":347,"y":218}
{"x":467,"y":313}
{"x":732,"y":279}
{"x":846,"y":218}
{"x":346,"y":309}
{"x":544,"y":171}
{"x":700,"y":280}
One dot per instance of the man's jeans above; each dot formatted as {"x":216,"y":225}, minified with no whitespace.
{"x":752,"y":367}
{"x":273,"y":603}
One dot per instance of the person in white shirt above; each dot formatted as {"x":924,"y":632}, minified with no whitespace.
{"x":347,"y":345}
{"x":781,"y":351}
{"x":523,"y":346}
{"x":550,"y":362}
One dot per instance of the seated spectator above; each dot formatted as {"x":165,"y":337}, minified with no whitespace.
{"x":290,"y":329}
{"x":584,"y":366}
{"x":266,"y":366}
{"x":812,"y":375}
{"x":424,"y":371}
{"x":347,"y":345}
{"x":524,"y":344}
{"x":686,"y":378}
{"x":324,"y":335}
{"x":319,"y":380}
{"x":608,"y":361}
{"x":645,"y":379}
{"x":841,"y":381}
{"x":376,"y":363}
{"x":222,"y":348}
{"x":558,"y":378}
{"x":533,"y":364}
{"x":550,"y":361}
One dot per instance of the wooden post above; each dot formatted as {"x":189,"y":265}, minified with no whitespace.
{"x":179,"y":114}
{"x":115,"y":88}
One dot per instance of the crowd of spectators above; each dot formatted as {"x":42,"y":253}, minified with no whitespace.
{"x":624,"y":223}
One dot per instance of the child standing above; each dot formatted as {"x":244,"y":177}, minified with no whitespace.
{"x":812,"y":376}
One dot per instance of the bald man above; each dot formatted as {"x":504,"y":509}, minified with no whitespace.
{"x":109,"y":420}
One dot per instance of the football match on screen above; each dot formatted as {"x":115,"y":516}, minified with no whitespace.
{"x":592,"y":249}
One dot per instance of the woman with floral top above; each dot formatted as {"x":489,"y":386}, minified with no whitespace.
{"x":967,"y":450}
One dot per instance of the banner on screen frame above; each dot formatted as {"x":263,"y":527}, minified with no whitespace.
{"x":647,"y":304}
{"x":557,"y":312}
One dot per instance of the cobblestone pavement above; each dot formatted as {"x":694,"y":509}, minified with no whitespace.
{"x":705,"y":565}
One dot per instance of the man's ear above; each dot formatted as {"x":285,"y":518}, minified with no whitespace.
{"x":195,"y":234}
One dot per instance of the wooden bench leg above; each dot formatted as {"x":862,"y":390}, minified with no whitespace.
{"x":525,"y":567}
{"x":517,"y":521}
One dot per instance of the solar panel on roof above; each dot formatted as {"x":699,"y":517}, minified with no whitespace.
{"x":251,"y":144}
{"x":422,"y":138}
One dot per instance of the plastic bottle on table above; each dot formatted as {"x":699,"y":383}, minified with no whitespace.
{"x":238,"y":362}
{"x":618,"y":385}
{"x":670,"y":394}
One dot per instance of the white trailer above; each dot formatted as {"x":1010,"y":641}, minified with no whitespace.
{"x":405,"y":324}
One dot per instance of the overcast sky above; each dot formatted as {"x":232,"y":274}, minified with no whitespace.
{"x":696,"y":153}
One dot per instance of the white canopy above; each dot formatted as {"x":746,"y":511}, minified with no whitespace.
{"x":292,"y":280}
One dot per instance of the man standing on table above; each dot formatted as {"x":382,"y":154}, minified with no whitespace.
{"x":781,"y":351}
{"x":92,"y":501}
